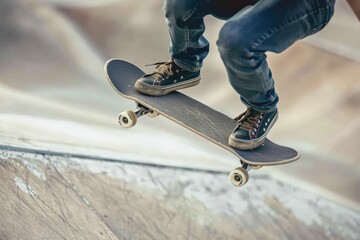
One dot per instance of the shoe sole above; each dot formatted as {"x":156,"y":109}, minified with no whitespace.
{"x":154,"y":90}
{"x":252,"y":144}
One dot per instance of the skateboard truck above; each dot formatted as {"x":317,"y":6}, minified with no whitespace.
{"x":128,"y":118}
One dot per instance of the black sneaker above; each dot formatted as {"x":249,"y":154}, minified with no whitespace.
{"x":166,"y":78}
{"x":252,"y":128}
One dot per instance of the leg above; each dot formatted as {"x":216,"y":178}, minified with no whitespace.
{"x":245,"y":38}
{"x":266,"y":26}
{"x":188,"y":46}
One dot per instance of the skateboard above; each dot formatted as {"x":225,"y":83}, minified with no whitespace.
{"x":195,"y":116}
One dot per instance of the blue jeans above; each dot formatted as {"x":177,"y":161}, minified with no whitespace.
{"x":252,"y":28}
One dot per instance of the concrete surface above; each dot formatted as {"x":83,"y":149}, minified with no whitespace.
{"x":48,"y":197}
{"x":55,"y":101}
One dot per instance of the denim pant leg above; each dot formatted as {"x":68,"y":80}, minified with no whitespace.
{"x":266,"y":26}
{"x":188,"y":46}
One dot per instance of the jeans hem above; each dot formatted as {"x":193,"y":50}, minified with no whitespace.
{"x":187,"y":67}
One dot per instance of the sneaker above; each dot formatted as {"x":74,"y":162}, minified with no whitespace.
{"x":166,"y":78}
{"x":252,"y":128}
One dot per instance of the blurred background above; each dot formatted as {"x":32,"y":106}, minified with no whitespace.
{"x":54,"y":94}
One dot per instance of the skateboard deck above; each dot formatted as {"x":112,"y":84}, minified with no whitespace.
{"x":197,"y":117}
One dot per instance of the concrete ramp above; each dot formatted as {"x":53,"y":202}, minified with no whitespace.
{"x":62,"y":197}
{"x":52,"y":102}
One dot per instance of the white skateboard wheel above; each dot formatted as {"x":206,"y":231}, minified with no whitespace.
{"x":238,"y":177}
{"x":127,"y":119}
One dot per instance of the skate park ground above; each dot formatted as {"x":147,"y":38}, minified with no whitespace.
{"x":68,"y":170}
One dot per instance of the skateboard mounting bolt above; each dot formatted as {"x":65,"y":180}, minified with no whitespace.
{"x":238,"y":178}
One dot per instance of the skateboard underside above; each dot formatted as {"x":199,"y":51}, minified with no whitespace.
{"x":193,"y":115}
